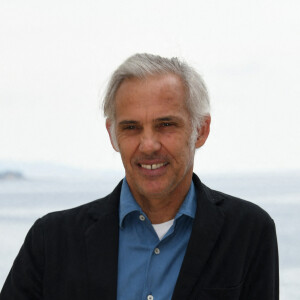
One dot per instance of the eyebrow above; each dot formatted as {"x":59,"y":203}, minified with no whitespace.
{"x":168,"y":118}
{"x":165,"y":118}
{"x":126,"y":122}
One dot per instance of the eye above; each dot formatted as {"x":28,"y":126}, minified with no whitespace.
{"x":129,"y":127}
{"x":166,"y":124}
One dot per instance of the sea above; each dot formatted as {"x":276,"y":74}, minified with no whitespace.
{"x":25,"y":200}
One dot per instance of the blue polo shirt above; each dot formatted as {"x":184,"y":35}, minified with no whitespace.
{"x":148,"y":267}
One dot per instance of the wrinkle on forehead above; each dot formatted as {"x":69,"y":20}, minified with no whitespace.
{"x":163,"y":83}
{"x":141,"y":94}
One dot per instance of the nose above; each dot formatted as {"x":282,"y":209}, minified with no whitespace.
{"x":149,"y":142}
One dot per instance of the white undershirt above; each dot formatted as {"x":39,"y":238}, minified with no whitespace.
{"x":162,"y":228}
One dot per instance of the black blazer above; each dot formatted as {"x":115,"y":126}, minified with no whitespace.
{"x":73,"y":254}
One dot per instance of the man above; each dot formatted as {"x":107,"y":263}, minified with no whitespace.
{"x":161,"y":234}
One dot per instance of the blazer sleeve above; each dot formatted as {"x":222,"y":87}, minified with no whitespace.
{"x":25,"y":279}
{"x":262,"y":279}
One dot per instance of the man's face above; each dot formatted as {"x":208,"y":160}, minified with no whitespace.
{"x":153,"y":130}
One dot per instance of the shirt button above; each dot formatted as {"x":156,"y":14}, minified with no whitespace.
{"x":150,"y":297}
{"x":156,"y":251}
{"x":142,"y":218}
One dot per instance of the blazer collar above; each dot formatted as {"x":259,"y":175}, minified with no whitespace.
{"x":206,"y":229}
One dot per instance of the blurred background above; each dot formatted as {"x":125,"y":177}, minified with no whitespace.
{"x":56,"y":58}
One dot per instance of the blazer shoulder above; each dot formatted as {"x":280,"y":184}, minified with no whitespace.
{"x":237,"y":208}
{"x":86,"y":212}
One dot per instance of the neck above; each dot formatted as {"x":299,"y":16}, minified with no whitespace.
{"x":162,"y":208}
{"x":160,"y":211}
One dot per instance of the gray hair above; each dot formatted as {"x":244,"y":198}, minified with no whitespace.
{"x":144,"y":65}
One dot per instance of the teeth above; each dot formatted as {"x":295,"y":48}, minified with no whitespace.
{"x":146,"y":167}
{"x":156,"y":166}
{"x":153,"y":167}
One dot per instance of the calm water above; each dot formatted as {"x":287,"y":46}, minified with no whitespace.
{"x":22,"y":202}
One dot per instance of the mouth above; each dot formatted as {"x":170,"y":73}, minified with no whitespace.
{"x":153,"y":166}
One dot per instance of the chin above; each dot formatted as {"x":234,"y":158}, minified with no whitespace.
{"x":153,"y":189}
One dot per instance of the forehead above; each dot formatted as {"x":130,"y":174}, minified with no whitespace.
{"x":153,"y":93}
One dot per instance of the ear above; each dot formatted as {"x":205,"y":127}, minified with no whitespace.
{"x":108,"y":125}
{"x":203,"y":132}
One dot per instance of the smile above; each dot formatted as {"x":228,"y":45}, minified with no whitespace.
{"x":153,"y":166}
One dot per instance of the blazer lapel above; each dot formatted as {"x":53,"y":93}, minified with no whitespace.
{"x":102,"y":239}
{"x":206,"y":229}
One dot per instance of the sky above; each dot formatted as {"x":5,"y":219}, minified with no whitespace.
{"x":56,"y":58}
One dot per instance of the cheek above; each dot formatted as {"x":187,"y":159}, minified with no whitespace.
{"x":127,"y":148}
{"x":182,"y":151}
{"x":176,"y":143}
